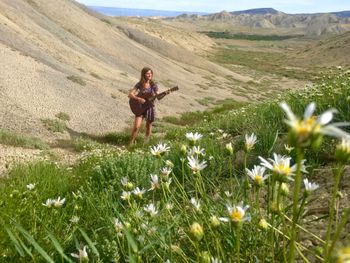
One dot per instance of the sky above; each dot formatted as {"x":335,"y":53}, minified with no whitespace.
{"x":211,"y":6}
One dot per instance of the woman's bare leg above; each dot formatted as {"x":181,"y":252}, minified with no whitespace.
{"x":135,"y":129}
{"x":148,"y":131}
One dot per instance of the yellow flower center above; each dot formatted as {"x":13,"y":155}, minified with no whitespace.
{"x":258,"y":178}
{"x":236,"y":216}
{"x":282,"y":169}
{"x":305,"y":127}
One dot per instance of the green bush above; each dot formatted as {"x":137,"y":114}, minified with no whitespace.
{"x":63,"y":116}
{"x":77,"y":79}
{"x":55,"y":125}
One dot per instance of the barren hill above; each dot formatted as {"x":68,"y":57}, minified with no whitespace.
{"x":328,"y":52}
{"x":306,"y":24}
{"x":57,"y":56}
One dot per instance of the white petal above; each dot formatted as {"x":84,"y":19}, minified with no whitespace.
{"x":288,"y":111}
{"x":326,"y":117}
{"x":335,"y":132}
{"x":265,"y":163}
{"x":309,"y":110}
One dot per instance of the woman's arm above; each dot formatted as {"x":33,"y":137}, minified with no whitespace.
{"x":133,"y":95}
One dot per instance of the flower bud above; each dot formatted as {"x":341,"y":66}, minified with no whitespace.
{"x":183,"y":149}
{"x":196,"y":231}
{"x":130,"y":186}
{"x":214,"y":222}
{"x":229,"y":148}
{"x":205,"y":257}
{"x":342,"y":151}
{"x":284,"y":189}
{"x":263,"y":224}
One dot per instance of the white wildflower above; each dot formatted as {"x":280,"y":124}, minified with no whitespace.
{"x":193,"y":137}
{"x":82,"y":256}
{"x":154,"y":182}
{"x":125,"y":195}
{"x":250,"y":141}
{"x":310,"y":126}
{"x":159,"y":149}
{"x":310,"y":187}
{"x":151,"y":209}
{"x":237,"y":214}
{"x":195,"y":164}
{"x":59,"y":202}
{"x":138,"y":192}
{"x":196,"y":204}
{"x":196,"y":151}
{"x":74,"y":219}
{"x":257,"y":174}
{"x":30,"y":186}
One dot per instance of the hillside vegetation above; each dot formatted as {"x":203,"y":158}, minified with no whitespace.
{"x":180,"y":200}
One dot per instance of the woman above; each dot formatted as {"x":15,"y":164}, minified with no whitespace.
{"x":146,"y":87}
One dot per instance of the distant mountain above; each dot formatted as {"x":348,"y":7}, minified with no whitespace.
{"x":257,"y":11}
{"x":116,"y":11}
{"x":342,"y":13}
{"x":269,"y":18}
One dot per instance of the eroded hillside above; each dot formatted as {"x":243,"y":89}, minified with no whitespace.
{"x":60,"y":57}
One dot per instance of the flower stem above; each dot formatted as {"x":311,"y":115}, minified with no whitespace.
{"x":331,"y":207}
{"x":297,"y":185}
{"x":238,"y":243}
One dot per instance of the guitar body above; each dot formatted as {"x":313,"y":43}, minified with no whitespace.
{"x":139,"y":109}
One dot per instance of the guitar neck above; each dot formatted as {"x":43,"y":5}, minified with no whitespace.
{"x":162,"y":94}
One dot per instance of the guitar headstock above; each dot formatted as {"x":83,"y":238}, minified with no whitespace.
{"x":174,"y":88}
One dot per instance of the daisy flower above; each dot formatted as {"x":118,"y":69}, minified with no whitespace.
{"x":82,"y":256}
{"x":195,"y":165}
{"x":138,"y":192}
{"x":196,"y":204}
{"x":250,"y":141}
{"x":310,"y":187}
{"x":257,"y":175}
{"x":305,"y":131}
{"x":151,"y":209}
{"x":154,"y":182}
{"x":236,"y":214}
{"x":196,"y":151}
{"x":159,"y":149}
{"x":193,"y":137}
{"x":280,"y":166}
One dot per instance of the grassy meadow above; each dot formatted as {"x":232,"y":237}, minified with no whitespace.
{"x":225,"y":185}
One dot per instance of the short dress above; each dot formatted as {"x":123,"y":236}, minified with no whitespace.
{"x":149,"y":114}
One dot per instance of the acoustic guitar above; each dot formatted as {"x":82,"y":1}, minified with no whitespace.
{"x":138,"y":108}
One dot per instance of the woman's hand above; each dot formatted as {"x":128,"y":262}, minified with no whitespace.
{"x":141,"y":100}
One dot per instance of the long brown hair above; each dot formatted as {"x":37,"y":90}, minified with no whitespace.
{"x":143,"y":79}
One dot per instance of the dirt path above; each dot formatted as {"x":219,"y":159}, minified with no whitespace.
{"x":10,"y":156}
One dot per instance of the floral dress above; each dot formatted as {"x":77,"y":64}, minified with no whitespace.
{"x":149,"y":114}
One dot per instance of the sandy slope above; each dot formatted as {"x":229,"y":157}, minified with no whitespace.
{"x":43,"y":42}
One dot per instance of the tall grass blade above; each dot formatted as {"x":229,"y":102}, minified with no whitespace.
{"x":91,"y":244}
{"x":15,"y":242}
{"x":31,"y":240}
{"x":58,"y":246}
{"x":273,"y":144}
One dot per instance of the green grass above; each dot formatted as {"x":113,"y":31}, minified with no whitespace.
{"x":13,"y":139}
{"x":95,"y":75}
{"x":77,"y":79}
{"x":63,"y":116}
{"x":266,"y":62}
{"x":93,"y":189}
{"x":253,"y":37}
{"x":55,"y":125}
